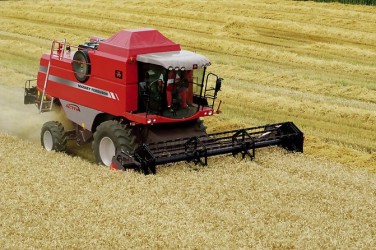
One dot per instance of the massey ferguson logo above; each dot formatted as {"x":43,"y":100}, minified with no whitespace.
{"x":73,"y":107}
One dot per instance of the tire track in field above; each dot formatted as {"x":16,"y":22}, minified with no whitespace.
{"x":334,"y":122}
{"x":307,"y":11}
{"x":55,"y":24}
{"x":304,"y":55}
{"x":284,"y":33}
{"x":247,"y":57}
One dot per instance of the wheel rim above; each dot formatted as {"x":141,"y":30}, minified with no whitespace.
{"x":47,"y":140}
{"x":106,"y":150}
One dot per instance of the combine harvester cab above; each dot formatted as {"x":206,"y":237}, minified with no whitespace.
{"x":139,"y":99}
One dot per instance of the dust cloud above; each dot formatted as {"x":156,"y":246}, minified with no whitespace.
{"x":23,"y":121}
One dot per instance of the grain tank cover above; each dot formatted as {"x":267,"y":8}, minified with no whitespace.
{"x":130,"y":43}
{"x":181,"y":59}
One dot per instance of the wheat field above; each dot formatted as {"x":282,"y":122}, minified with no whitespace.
{"x":310,"y":63}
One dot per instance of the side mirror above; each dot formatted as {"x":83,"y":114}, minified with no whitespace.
{"x":218,"y":84}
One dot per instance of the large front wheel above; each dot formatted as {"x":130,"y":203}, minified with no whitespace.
{"x":109,"y":137}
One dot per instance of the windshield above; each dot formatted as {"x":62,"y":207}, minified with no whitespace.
{"x":197,"y":76}
{"x":169,"y":92}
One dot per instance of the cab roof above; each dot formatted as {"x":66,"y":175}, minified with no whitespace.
{"x":175,"y":59}
{"x":130,"y":43}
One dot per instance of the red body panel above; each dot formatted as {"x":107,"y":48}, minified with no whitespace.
{"x":62,"y":88}
{"x":144,"y":118}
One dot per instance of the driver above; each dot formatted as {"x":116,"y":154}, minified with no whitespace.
{"x":175,"y":84}
{"x":170,"y":88}
{"x":156,"y":89}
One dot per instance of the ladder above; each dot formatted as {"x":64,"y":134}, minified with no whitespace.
{"x":46,"y":105}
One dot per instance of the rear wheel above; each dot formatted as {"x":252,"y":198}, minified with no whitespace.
{"x":109,"y":137}
{"x":53,"y":136}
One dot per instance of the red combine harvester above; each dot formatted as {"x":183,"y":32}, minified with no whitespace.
{"x":138,"y":97}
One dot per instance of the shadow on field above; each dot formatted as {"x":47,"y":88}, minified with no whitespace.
{"x":83,"y":151}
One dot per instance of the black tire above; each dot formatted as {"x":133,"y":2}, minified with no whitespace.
{"x":108,"y":138}
{"x":81,"y":65}
{"x":53,"y":136}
